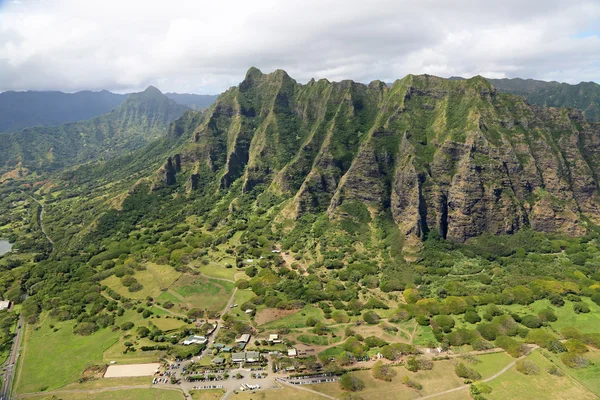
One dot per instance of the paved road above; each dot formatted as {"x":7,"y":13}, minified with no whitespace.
{"x":11,"y":363}
{"x":41,"y":219}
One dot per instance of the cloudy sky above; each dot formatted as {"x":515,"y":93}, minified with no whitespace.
{"x":206,"y":46}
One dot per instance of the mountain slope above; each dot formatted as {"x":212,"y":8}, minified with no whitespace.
{"x":140,"y":119}
{"x":19,"y":110}
{"x":193,"y":101}
{"x":452,"y":157}
{"x":584,"y":96}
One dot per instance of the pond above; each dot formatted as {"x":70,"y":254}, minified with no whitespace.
{"x":4,"y":247}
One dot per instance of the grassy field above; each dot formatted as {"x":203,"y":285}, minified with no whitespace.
{"x":515,"y":385}
{"x":218,"y":271}
{"x":588,"y":376}
{"x":54,"y":359}
{"x":587,"y":323}
{"x":296,"y":320}
{"x":212,"y":394}
{"x":137,"y":394}
{"x":286,"y":393}
{"x":489,"y":364}
{"x":198,"y":292}
{"x":439,"y":379}
{"x":154,"y":279}
{"x":109,"y":382}
{"x":168,"y":324}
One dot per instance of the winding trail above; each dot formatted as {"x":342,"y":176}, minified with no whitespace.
{"x":491,"y":378}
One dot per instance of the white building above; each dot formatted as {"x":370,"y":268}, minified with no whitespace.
{"x":193,"y":339}
{"x":4,"y":304}
{"x":245,"y":338}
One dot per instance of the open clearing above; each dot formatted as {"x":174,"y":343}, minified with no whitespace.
{"x":124,"y":371}
{"x":267,"y":315}
{"x":515,"y":385}
{"x":154,"y":279}
{"x":43,"y":347}
{"x":439,"y":379}
{"x":286,"y":393}
{"x":209,"y":394}
{"x":198,"y":292}
{"x":296,"y":319}
{"x":137,"y":394}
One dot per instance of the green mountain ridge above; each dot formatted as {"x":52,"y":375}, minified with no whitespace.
{"x":456,"y":158}
{"x":141,"y":118}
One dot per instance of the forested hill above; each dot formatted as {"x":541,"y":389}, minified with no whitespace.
{"x":141,"y":118}
{"x":19,"y":110}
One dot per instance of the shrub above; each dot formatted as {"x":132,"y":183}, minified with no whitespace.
{"x":554,"y":370}
{"x":481,"y":344}
{"x":461,"y":336}
{"x":85,"y":328}
{"x":547,"y":315}
{"x":531,"y":321}
{"x":445,"y":322}
{"x":371,"y":317}
{"x":127,"y":326}
{"x":571,"y":333}
{"x":511,"y":346}
{"x":383,"y":372}
{"x":527,"y":367}
{"x":410,"y":383}
{"x":463,"y":371}
{"x":576,"y":346}
{"x":574,"y":360}
{"x":351,"y":383}
{"x":581,"y":308}
{"x":472,"y":317}
{"x":135,"y":287}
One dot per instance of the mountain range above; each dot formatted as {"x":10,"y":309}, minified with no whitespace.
{"x":20,"y":110}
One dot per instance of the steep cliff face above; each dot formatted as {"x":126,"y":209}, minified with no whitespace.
{"x":452,"y":157}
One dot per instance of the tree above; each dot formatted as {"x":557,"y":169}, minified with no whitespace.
{"x":527,"y":367}
{"x":463,"y":371}
{"x":383,"y":372}
{"x":581,"y":308}
{"x":351,"y":383}
{"x":371,"y":317}
{"x":445,"y":322}
{"x":127,"y":326}
{"x":472,"y":317}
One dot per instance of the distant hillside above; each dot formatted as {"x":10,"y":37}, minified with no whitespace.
{"x":194,"y":101}
{"x":584,"y":96}
{"x":19,"y":110}
{"x":142,"y":117}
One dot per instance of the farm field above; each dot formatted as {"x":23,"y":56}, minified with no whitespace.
{"x":515,"y":385}
{"x":198,"y":292}
{"x":39,"y":370}
{"x":137,"y":394}
{"x":217,"y":271}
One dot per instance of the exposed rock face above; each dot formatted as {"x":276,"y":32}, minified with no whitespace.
{"x":452,"y":157}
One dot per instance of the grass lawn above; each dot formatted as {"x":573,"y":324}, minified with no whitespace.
{"x":296,"y":320}
{"x":286,"y":393}
{"x":491,"y":363}
{"x":589,"y":376}
{"x":515,"y":385}
{"x":153,"y":279}
{"x":209,"y":394}
{"x":168,"y":324}
{"x":586,"y":323}
{"x":197,"y":292}
{"x":53,"y":359}
{"x":109,"y":382}
{"x":218,"y":271}
{"x":439,"y":379}
{"x":137,"y":394}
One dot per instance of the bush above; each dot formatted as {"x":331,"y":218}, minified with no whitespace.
{"x":463,"y":371}
{"x":527,"y":367}
{"x":512,"y":347}
{"x":472,"y":317}
{"x":574,"y":360}
{"x":127,"y":326}
{"x":581,"y":308}
{"x":547,"y":315}
{"x":351,"y":383}
{"x":481,"y":344}
{"x":531,"y":321}
{"x":554,"y":370}
{"x":371,"y":317}
{"x":576,"y":346}
{"x":85,"y":328}
{"x":445,"y":322}
{"x":383,"y":372}
{"x":410,"y":383}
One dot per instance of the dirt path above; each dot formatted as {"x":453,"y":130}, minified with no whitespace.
{"x":289,"y":260}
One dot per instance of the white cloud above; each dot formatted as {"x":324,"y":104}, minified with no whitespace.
{"x":206,"y":46}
